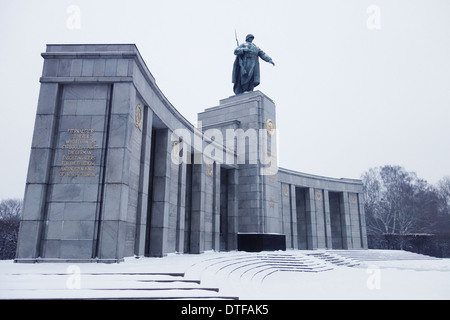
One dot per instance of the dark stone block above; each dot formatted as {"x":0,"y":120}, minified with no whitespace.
{"x":256,"y":242}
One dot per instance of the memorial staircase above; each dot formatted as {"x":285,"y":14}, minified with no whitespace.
{"x":380,"y":255}
{"x":254,"y":267}
{"x":104,"y":286}
{"x":353,"y":258}
{"x":201,"y":277}
{"x":335,"y":259}
{"x":212,"y":275}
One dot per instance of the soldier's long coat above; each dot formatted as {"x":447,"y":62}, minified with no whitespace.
{"x":246,"y":73}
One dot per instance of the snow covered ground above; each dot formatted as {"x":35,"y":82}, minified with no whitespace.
{"x":406,"y":280}
{"x":290,"y":275}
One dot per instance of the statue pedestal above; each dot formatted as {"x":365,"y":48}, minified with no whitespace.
{"x":257,"y":242}
{"x":247,"y":123}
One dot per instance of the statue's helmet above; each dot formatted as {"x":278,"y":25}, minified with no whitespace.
{"x":249,"y":36}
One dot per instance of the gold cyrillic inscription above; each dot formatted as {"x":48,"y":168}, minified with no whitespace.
{"x":79,"y":160}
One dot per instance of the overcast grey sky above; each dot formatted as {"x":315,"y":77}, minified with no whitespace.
{"x":357,"y":83}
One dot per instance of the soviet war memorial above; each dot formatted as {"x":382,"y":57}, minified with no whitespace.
{"x":203,"y":151}
{"x":116,"y":171}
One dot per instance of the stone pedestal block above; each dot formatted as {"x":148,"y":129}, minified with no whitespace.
{"x":247,"y":123}
{"x":257,"y":242}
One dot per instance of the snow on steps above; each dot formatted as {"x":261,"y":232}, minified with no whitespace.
{"x":352,"y":258}
{"x":124,"y":285}
{"x":206,"y":276}
{"x":335,"y":258}
{"x":253,"y":267}
{"x":381,"y":255}
{"x":200,"y":277}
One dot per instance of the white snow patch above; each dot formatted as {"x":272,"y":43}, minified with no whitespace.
{"x":384,"y":279}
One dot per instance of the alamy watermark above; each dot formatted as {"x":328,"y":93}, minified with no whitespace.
{"x":73,"y":281}
{"x":229,"y":146}
{"x":374,"y":279}
{"x":373,"y":21}
{"x":74,"y":19}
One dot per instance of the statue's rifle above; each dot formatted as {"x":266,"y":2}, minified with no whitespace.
{"x":241,"y":64}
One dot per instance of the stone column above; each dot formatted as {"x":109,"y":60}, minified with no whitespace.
{"x":142,"y":210}
{"x":320,"y":218}
{"x":160,"y":194}
{"x":111,"y":225}
{"x":293,"y":204}
{"x":345,"y":221}
{"x":197,"y":234}
{"x":355,"y":221}
{"x":233,"y":210}
{"x":327,"y":222}
{"x":311,"y":219}
{"x":362,"y":221}
{"x":286,"y":212}
{"x":302,"y":227}
{"x":289,"y":207}
{"x":289,"y":211}
{"x":181,"y":207}
{"x":216,"y":207}
{"x":39,"y":168}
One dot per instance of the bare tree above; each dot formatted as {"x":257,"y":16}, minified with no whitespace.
{"x":397,"y":201}
{"x":443,"y":187}
{"x":378,"y":217}
{"x":10,"y":212}
{"x":444,"y":193}
{"x":11,"y":209}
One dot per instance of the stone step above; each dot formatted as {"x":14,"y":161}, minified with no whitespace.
{"x":117,"y":294}
{"x":335,"y":259}
{"x":253,"y":267}
{"x":382,"y":255}
{"x":112,"y":285}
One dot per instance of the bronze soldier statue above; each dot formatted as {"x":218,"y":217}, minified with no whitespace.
{"x":246,"y":75}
